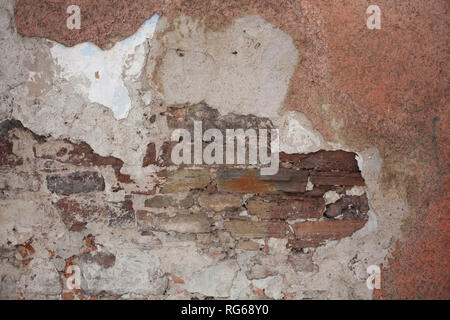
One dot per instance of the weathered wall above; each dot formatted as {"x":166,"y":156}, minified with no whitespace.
{"x":87,"y":179}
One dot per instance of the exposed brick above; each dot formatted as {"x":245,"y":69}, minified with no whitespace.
{"x":247,"y":245}
{"x":323,"y":161}
{"x":256,"y":229}
{"x":183,"y":180}
{"x":304,"y":243}
{"x":334,"y":209}
{"x":8,"y":125}
{"x":250,"y":181}
{"x":104,"y":259}
{"x":144,"y":191}
{"x":314,"y":233}
{"x":75,"y":214}
{"x":219,"y":202}
{"x":81,"y":154}
{"x":337,"y":179}
{"x":183,"y":116}
{"x":163,"y":201}
{"x":286,"y":208}
{"x":121,"y":213}
{"x":150,"y":155}
{"x":176,"y":279}
{"x":351,"y":207}
{"x":7,"y":157}
{"x":76,"y":182}
{"x":164,"y":158}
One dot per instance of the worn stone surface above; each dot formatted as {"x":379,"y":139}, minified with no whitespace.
{"x":219,"y":202}
{"x":315,"y":233}
{"x":323,"y":161}
{"x":75,"y":183}
{"x":185,"y":179}
{"x":214,"y":281}
{"x":286,"y":208}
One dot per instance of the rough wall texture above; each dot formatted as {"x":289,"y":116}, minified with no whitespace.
{"x":89,"y":181}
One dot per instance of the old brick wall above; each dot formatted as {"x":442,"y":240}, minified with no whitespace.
{"x":224,"y":212}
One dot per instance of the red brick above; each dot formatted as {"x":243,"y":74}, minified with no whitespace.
{"x":256,"y":229}
{"x":219,"y":202}
{"x":150,"y":155}
{"x":304,"y":243}
{"x":7,"y":157}
{"x":67,"y":296}
{"x":287,"y":208}
{"x":352,"y":207}
{"x":337,"y":179}
{"x":75,"y":214}
{"x":250,"y":181}
{"x":183,"y":180}
{"x":323,"y":160}
{"x":164,"y":158}
{"x":313,"y":233}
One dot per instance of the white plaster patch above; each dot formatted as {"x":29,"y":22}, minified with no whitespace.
{"x":356,"y":191}
{"x":331,"y":197}
{"x":244,"y":69}
{"x":107,"y":69}
{"x":272,"y":286}
{"x":297,"y":134}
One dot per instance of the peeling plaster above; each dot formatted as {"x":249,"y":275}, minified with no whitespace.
{"x":107,"y":70}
